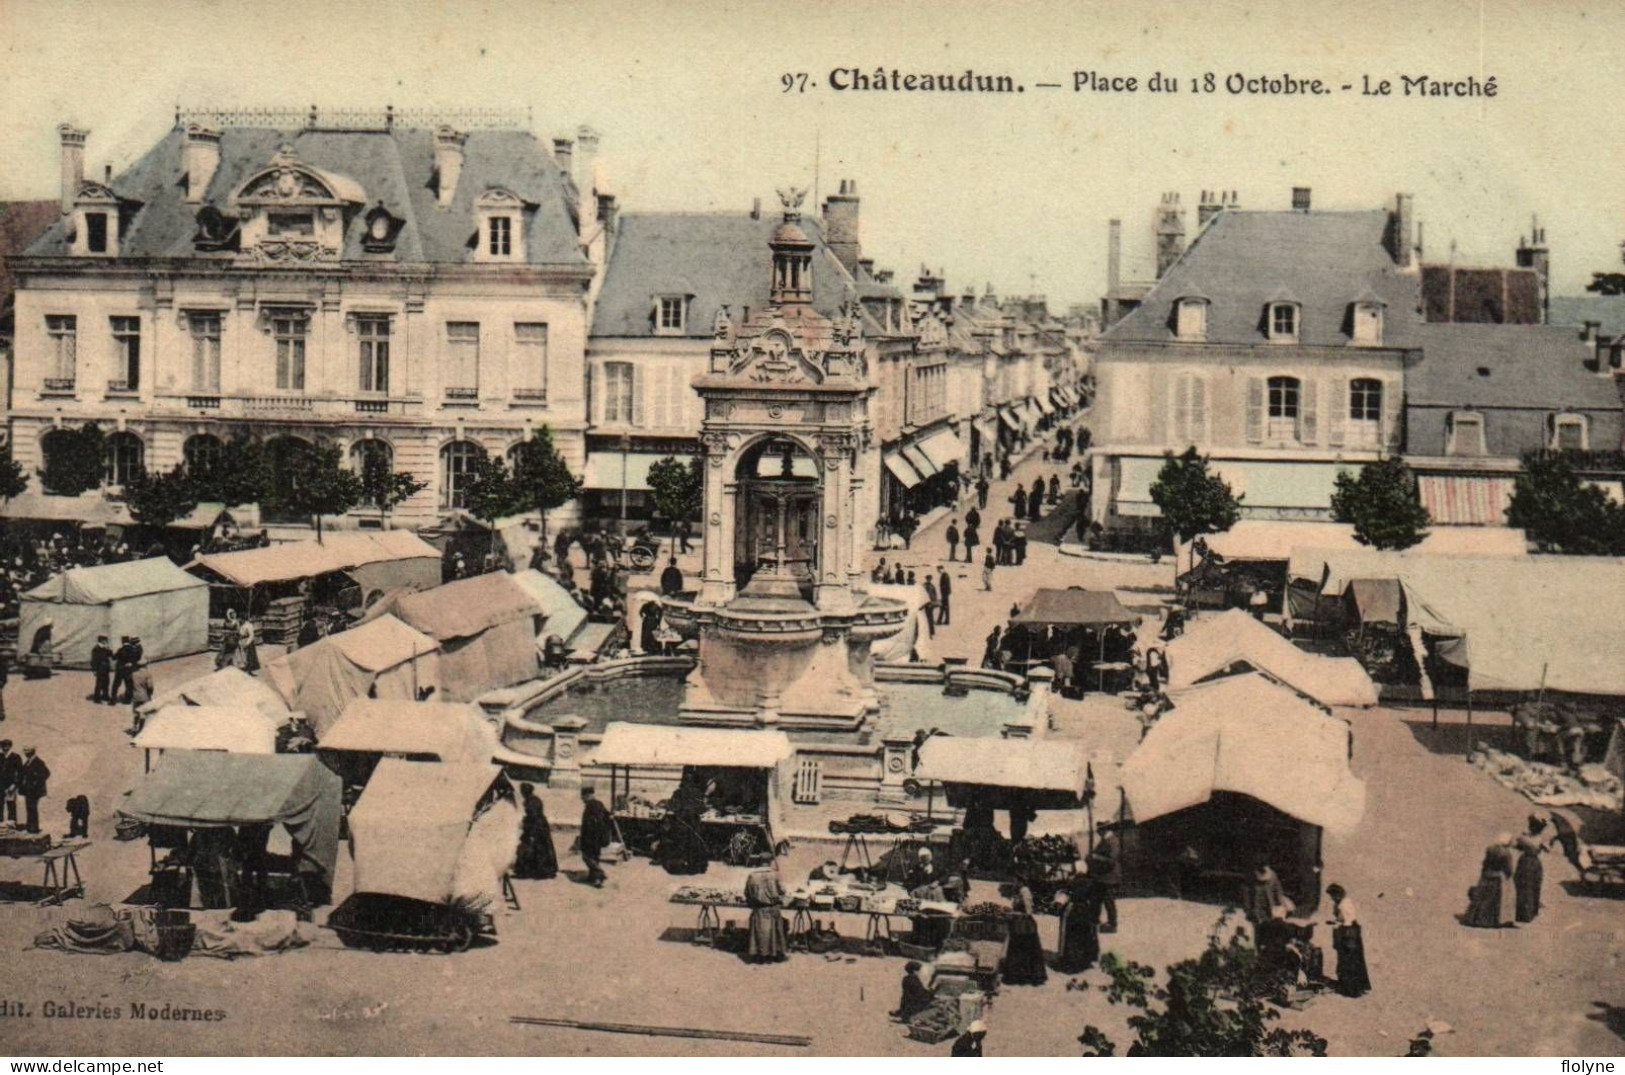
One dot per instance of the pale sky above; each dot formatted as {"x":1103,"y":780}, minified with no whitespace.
{"x":1013,"y":190}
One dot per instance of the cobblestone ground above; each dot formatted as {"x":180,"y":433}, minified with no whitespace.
{"x":621,"y":954}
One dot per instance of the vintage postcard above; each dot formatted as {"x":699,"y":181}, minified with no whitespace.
{"x":750,"y":529}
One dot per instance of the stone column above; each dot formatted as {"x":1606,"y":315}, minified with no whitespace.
{"x":566,"y":770}
{"x":716,"y":586}
{"x":894,"y":767}
{"x":833,"y":588}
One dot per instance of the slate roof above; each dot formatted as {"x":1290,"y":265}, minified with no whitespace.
{"x":1243,"y":260}
{"x":718,"y":258}
{"x":393,"y":167}
{"x":1576,"y":310}
{"x":20,"y":224}
{"x":1535,"y":367}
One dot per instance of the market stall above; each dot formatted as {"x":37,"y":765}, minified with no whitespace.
{"x":152,"y":599}
{"x":193,"y":727}
{"x":226,"y":688}
{"x":211,"y":815}
{"x":1220,"y":644}
{"x":1090,"y":623}
{"x":486,"y":629}
{"x":1241,"y":771}
{"x":383,"y":658}
{"x":372,"y":729}
{"x":432,"y":844}
{"x":737,"y":822}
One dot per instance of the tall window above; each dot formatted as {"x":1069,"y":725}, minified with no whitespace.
{"x":202,"y":452}
{"x":1365,"y":412}
{"x":530,"y":360}
{"x":1190,"y":409}
{"x":462,"y":360}
{"x":1284,"y":396}
{"x":127,"y":345}
{"x":125,"y":456}
{"x":62,"y":331}
{"x":501,"y":237}
{"x":1283,"y":321}
{"x":205,"y":351}
{"x":458,"y":461}
{"x":96,"y":232}
{"x":619,"y":394}
{"x":289,"y":330}
{"x":371,"y":455}
{"x":373,"y":333}
{"x":670,"y":314}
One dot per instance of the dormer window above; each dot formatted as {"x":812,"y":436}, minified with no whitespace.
{"x":292,"y":212}
{"x":1283,"y":322}
{"x":501,"y":226}
{"x":96,"y":232}
{"x":1366,"y":328}
{"x":1568,"y":433}
{"x":379,"y":229}
{"x":95,"y":222}
{"x":671,"y":315}
{"x":1190,"y":318}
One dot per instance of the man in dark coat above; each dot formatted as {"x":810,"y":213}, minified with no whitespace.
{"x":945,"y":593}
{"x":932,"y":604}
{"x":32,"y":787}
{"x":10,"y":765}
{"x":973,"y":538}
{"x":125,"y":660}
{"x":671,"y":579}
{"x":1106,"y":874}
{"x":981,"y":491}
{"x":101,"y":663}
{"x":649,"y":616}
{"x":1019,"y":499}
{"x":597,"y":833}
{"x":1035,"y":500}
{"x":952,"y":537}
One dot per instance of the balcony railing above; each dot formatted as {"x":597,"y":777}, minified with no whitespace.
{"x":1595,"y":459}
{"x":337,"y":408}
{"x":203,"y":403}
{"x":59,"y":384}
{"x":463,"y":394}
{"x":121,"y":388}
{"x":530,"y":395}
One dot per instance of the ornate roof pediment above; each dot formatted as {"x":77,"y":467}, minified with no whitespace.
{"x":96,"y":192}
{"x":775,"y":358}
{"x":288,"y":181}
{"x":499,"y":198}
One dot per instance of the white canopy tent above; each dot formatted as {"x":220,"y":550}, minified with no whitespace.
{"x":193,"y":727}
{"x":1050,"y":765}
{"x":1215,"y":644}
{"x":1271,"y":539}
{"x":1246,"y":735}
{"x":660,"y":745}
{"x":227,"y":687}
{"x":383,"y":657}
{"x":152,"y":599}
{"x":450,"y":732}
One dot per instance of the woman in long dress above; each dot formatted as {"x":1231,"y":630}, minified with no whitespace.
{"x":1024,"y":960}
{"x":1347,"y":941}
{"x":769,"y":939}
{"x":248,"y":651}
{"x":1080,"y":926}
{"x":537,"y":859}
{"x":1527,"y":878}
{"x":1492,"y":901}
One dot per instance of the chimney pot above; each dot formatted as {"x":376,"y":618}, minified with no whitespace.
{"x":756,"y":209}
{"x":73,"y":163}
{"x":448,"y":160}
{"x":201,"y":159}
{"x":1403,"y":249}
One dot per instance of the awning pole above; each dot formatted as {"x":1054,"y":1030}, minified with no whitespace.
{"x":1469,"y":720}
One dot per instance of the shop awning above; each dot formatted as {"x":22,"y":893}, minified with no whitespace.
{"x":1376,"y":600}
{"x":1135,"y":477}
{"x":1465,"y":499}
{"x":943,"y":448}
{"x":901,"y":469}
{"x":604,"y":469}
{"x":1027,"y":764}
{"x":1011,"y":421}
{"x":662,"y":745}
{"x":1282,"y":485}
{"x":921,"y":462}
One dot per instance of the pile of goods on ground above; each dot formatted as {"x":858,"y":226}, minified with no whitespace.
{"x":708,"y":894}
{"x":1550,"y":785}
{"x":937,"y":1023}
{"x":882,"y":823}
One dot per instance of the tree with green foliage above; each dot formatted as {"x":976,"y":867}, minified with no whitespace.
{"x":1219,"y":1004}
{"x":320,"y":484}
{"x":492,"y":493}
{"x":384,"y":488}
{"x":13,"y":478}
{"x":1382,"y":505}
{"x":542,"y":478}
{"x":1607,"y":283}
{"x":1193,"y":499}
{"x":76,"y":460}
{"x":1560,"y":513}
{"x":239,"y":474}
{"x":160,"y":499}
{"x":678,"y":488}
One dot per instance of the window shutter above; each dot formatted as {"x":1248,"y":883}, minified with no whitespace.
{"x":1255,"y":410}
{"x":1176,"y":410}
{"x":1308,"y":427}
{"x":596,"y":387}
{"x":1392,"y":403}
{"x":637,"y":394}
{"x":1337,"y":409}
{"x":1198,"y":409}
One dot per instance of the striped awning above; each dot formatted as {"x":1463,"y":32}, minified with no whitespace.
{"x":1011,"y":420}
{"x":901,"y":469}
{"x":943,"y":448}
{"x":1466,"y":499}
{"x":921,"y":461}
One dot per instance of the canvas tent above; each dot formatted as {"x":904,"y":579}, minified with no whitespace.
{"x":486,"y":628}
{"x":410,"y":833}
{"x":1515,"y":623}
{"x":915,"y":639}
{"x":379,"y":562}
{"x":1218,"y":643}
{"x":1073,"y":607}
{"x":192,"y":727}
{"x":154,"y":599}
{"x":206,"y":789}
{"x":561,"y":614}
{"x":90,"y":509}
{"x":383,"y":656}
{"x":226,"y":688}
{"x":444,"y":731}
{"x":1053,"y":773}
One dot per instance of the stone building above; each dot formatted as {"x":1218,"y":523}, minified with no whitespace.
{"x":411,"y":289}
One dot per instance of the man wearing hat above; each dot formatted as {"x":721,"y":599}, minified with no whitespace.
{"x":10,"y":766}
{"x":31,"y":785}
{"x":128,"y":656}
{"x":101,"y":663}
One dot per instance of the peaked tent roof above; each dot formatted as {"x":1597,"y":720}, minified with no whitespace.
{"x":107,"y":583}
{"x":562,"y":614}
{"x":1243,"y":260}
{"x":191,"y":727}
{"x":1246,"y":735}
{"x":1216,"y":643}
{"x":464,"y":608}
{"x":410,"y":824}
{"x":306,"y":559}
{"x":1074,"y":606}
{"x":87,"y":509}
{"x":379,"y":644}
{"x":1031,"y":764}
{"x":451,"y":732}
{"x":223,"y":688}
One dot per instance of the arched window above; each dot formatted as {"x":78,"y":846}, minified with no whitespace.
{"x":371,"y":456}
{"x":201,"y":452}
{"x":1285,"y":394}
{"x":1365,"y":412}
{"x":55,"y":447}
{"x":457,"y":463}
{"x":126,"y":457}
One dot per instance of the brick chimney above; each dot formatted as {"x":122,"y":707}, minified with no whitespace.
{"x":73,"y":163}
{"x":1533,"y":254}
{"x":1170,"y":232}
{"x":1208,"y":207}
{"x":564,"y":155}
{"x":586,"y":177}
{"x":841,"y":225}
{"x":448,"y":163}
{"x":1402,"y":231}
{"x":200,"y":158}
